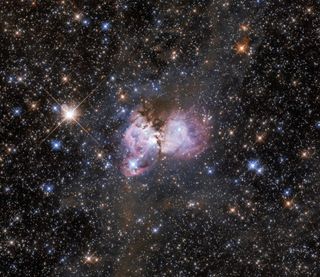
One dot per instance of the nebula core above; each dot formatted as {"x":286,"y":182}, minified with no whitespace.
{"x":182,"y":135}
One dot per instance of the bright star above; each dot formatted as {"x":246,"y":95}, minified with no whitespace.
{"x":17,"y":111}
{"x":255,"y":165}
{"x":133,"y":164}
{"x":105,"y":26}
{"x":69,"y":113}
{"x":287,"y":192}
{"x":86,"y":22}
{"x":47,"y":187}
{"x":56,"y":145}
{"x":155,"y":230}
{"x":210,"y":170}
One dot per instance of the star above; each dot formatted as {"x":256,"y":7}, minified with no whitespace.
{"x":69,"y":113}
{"x":56,"y":144}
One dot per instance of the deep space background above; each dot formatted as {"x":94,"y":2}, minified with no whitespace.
{"x":247,"y":205}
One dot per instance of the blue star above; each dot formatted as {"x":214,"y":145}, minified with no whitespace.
{"x":105,"y":26}
{"x":17,"y":111}
{"x":282,"y":159}
{"x":287,"y":192}
{"x":210,"y":170}
{"x":280,"y":127}
{"x":55,"y":108}
{"x":236,"y":182}
{"x":155,"y":86}
{"x":255,"y":165}
{"x":133,"y":164}
{"x":259,"y":170}
{"x":86,"y":22}
{"x":155,"y":230}
{"x":105,"y":40}
{"x":47,"y":187}
{"x":10,"y":79}
{"x":107,"y":165}
{"x":56,"y":145}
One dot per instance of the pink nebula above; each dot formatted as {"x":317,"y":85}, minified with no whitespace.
{"x":182,"y":136}
{"x":142,"y":148}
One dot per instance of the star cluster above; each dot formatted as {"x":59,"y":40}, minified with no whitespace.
{"x":217,"y":174}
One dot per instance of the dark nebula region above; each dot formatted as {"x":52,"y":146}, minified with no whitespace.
{"x":179,"y":134}
{"x":159,"y":138}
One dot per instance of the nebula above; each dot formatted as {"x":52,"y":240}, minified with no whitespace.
{"x":182,"y":135}
{"x":141,"y":144}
